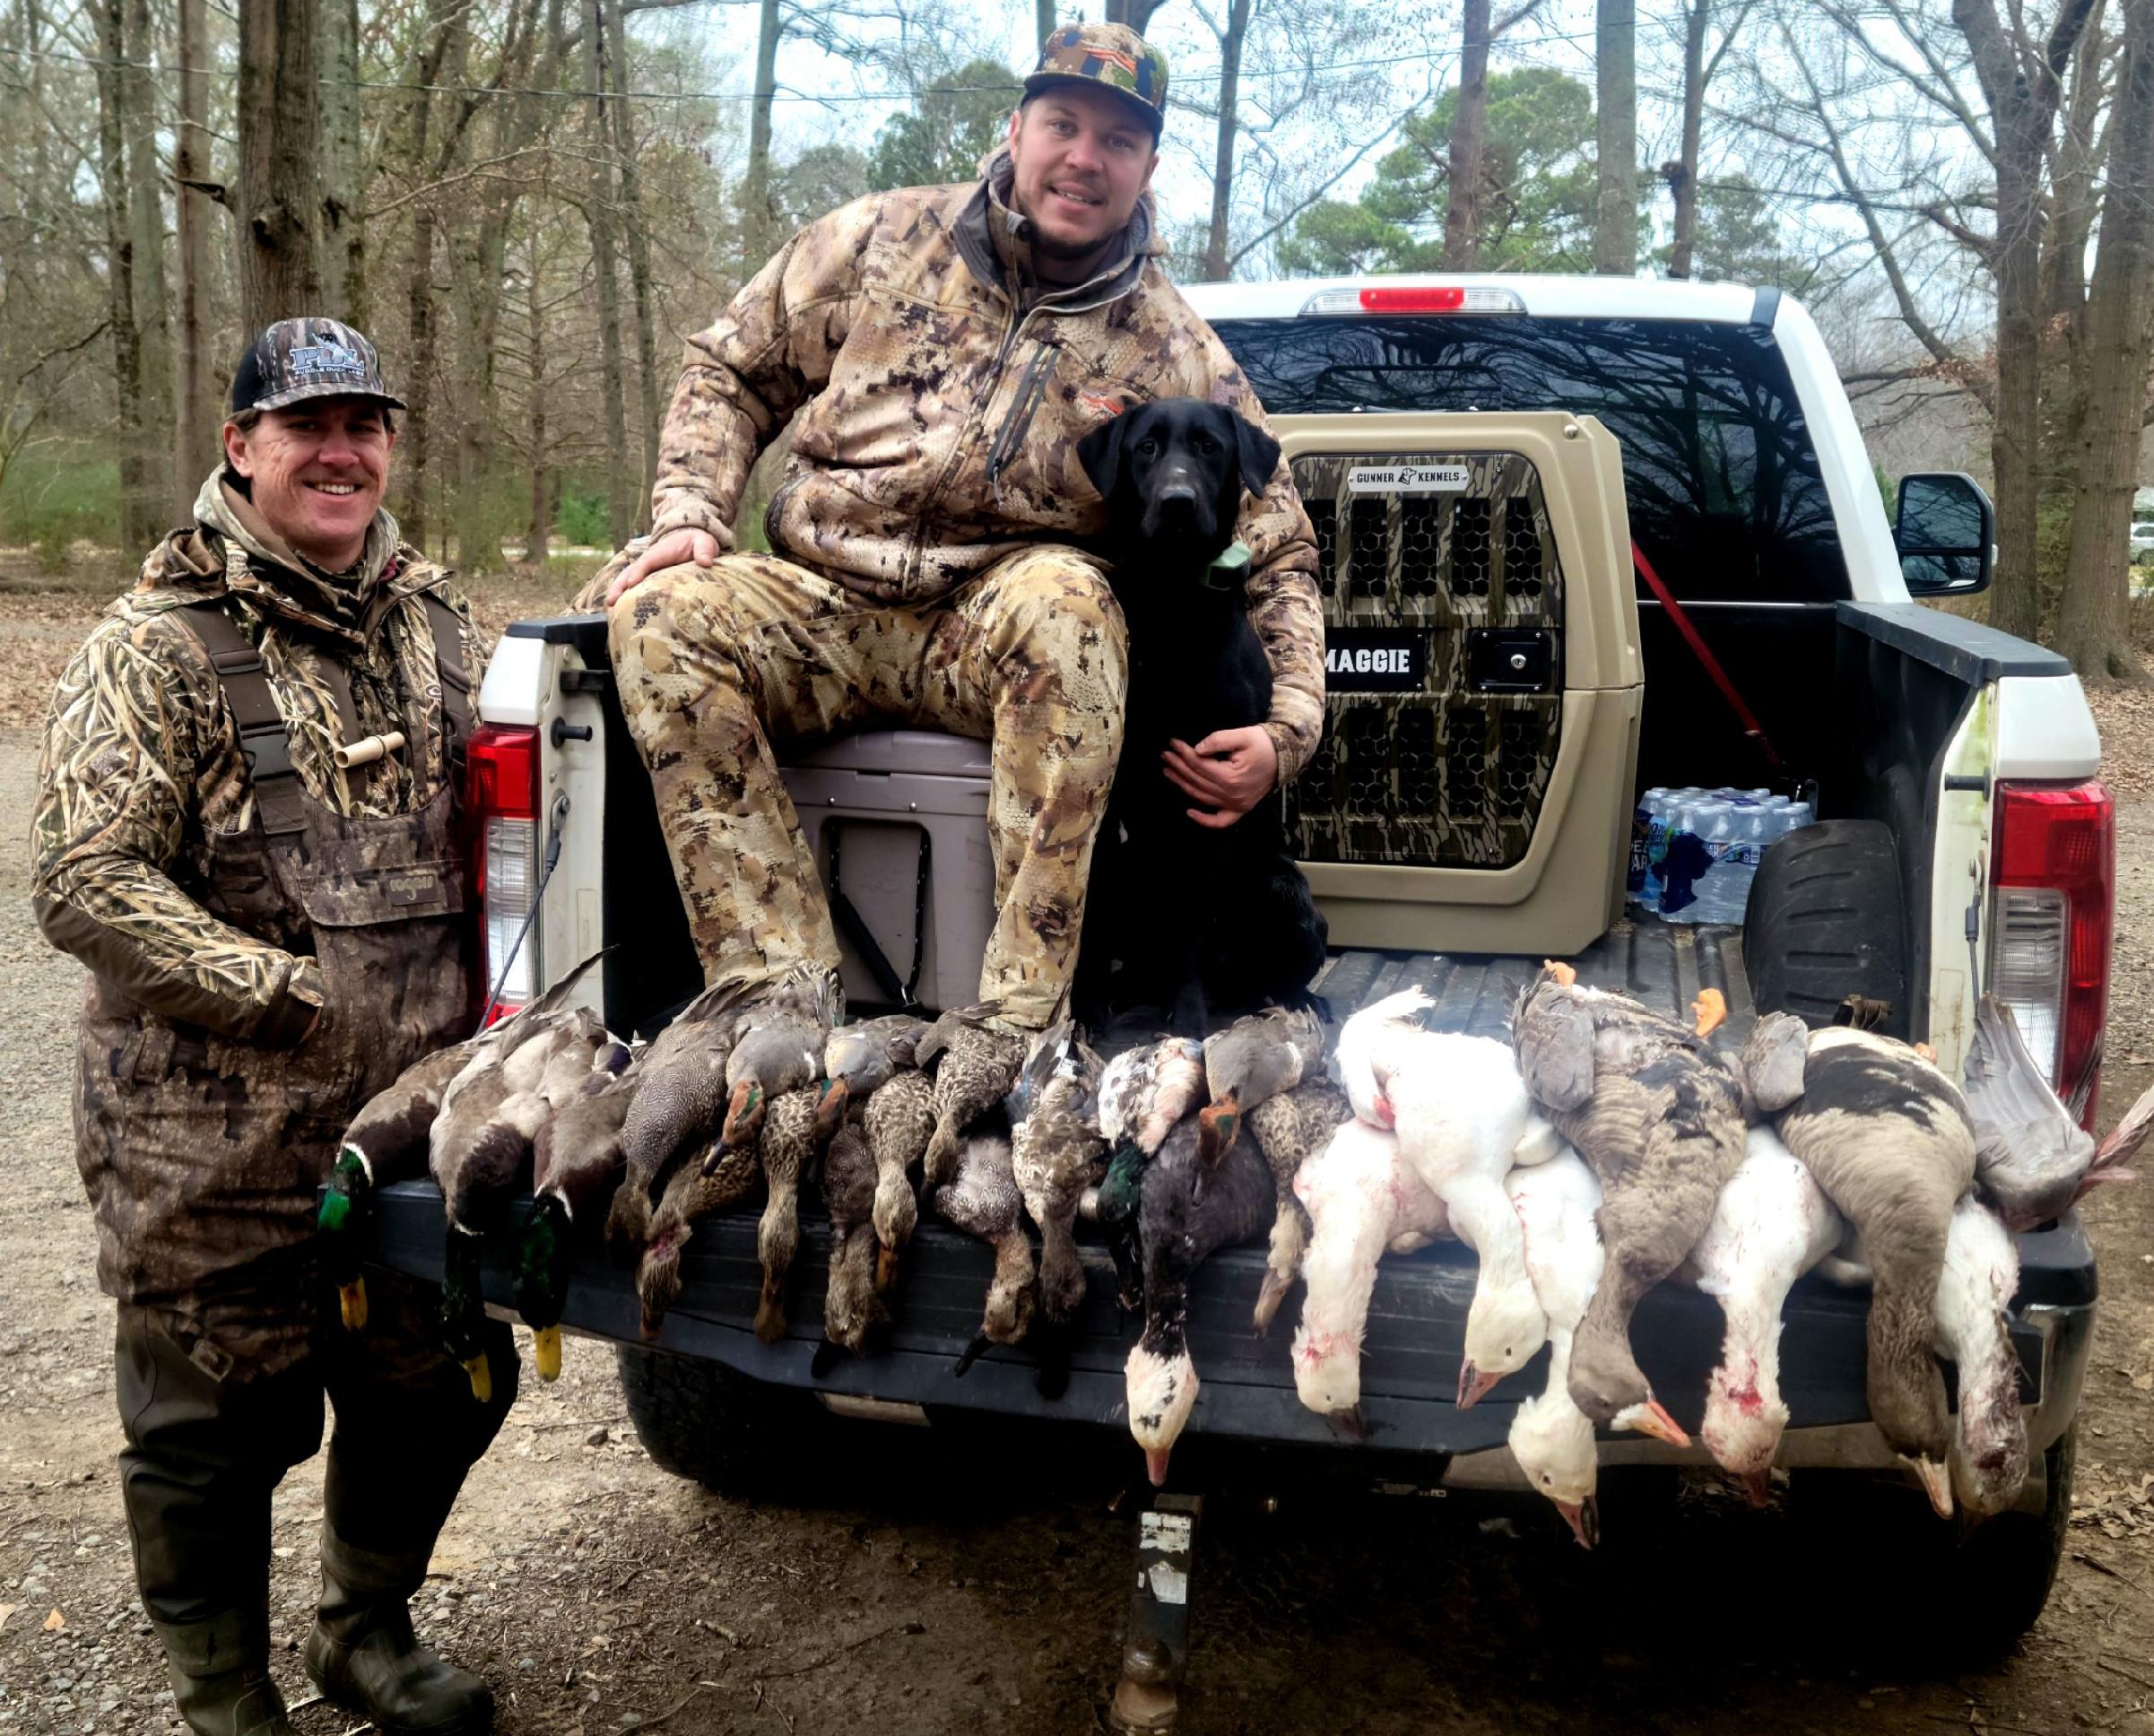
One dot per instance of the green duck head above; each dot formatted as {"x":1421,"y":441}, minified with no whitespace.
{"x":541,"y":1279}
{"x":1123,"y":1185}
{"x":464,"y":1310}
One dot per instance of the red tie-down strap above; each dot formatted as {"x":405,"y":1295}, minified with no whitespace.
{"x":1699,"y":649}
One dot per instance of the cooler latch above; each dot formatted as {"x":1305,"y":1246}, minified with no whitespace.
{"x":1510,"y":659}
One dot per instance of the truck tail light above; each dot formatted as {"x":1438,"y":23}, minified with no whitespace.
{"x":505,"y":847}
{"x":1417,"y":298}
{"x":2053,"y":888}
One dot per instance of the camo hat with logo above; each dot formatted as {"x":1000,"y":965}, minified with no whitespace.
{"x":311,"y":357}
{"x":1110,"y":55}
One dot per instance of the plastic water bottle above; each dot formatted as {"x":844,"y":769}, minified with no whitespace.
{"x":1718,"y":824}
{"x":1648,"y":842}
{"x":1688,"y":858}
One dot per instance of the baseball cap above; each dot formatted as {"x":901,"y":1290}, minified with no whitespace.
{"x":314,"y":357}
{"x":1112,"y":55}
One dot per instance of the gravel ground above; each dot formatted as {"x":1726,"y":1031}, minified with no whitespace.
{"x":939,"y":1584}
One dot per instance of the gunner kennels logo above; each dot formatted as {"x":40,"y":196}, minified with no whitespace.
{"x":1408,"y":479}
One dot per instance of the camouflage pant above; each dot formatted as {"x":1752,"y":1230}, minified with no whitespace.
{"x":716,"y":664}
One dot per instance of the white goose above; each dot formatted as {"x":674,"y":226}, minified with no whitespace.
{"x":1461,"y":1113}
{"x":1551,"y":1438}
{"x":1981,"y":1274}
{"x":1363,"y":1197}
{"x":1771,"y":1224}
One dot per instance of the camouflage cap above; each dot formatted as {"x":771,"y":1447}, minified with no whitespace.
{"x":1110,"y":55}
{"x":309,"y":358}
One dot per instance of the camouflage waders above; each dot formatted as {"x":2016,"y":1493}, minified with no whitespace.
{"x":716,"y":665}
{"x":202,"y":1154}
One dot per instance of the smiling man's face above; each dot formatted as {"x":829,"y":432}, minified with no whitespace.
{"x":1083,"y":160}
{"x":316,"y":472}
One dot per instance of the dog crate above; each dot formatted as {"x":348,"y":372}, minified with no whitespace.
{"x":1473,"y":792}
{"x":897,"y":821}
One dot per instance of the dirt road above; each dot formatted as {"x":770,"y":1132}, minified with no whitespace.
{"x":963,"y":1589}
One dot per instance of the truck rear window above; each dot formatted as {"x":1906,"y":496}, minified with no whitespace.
{"x":1726,"y":495}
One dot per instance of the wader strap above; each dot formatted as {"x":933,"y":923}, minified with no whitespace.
{"x":263,"y":742}
{"x":456,"y":685}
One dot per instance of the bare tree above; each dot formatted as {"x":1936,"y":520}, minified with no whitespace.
{"x":621,"y":507}
{"x":145,"y":217}
{"x":1681,"y":175}
{"x":640,"y":259}
{"x":1232,"y":35}
{"x":343,"y":231}
{"x":1465,"y":182}
{"x":195,"y":207}
{"x":138,"y":517}
{"x":2093,"y":629}
{"x":758,"y":223}
{"x":1616,"y":133}
{"x":279,"y":150}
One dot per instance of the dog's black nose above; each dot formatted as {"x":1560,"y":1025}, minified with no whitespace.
{"x":1177,"y":494}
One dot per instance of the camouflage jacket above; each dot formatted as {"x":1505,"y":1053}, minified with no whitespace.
{"x":940,"y":401}
{"x":142,"y":769}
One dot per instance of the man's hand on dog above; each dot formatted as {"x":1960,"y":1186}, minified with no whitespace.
{"x":1230,"y":771}
{"x":674,"y":549}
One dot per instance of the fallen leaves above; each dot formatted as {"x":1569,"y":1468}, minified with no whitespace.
{"x":2118,"y":1511}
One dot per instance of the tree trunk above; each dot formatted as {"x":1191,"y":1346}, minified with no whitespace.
{"x":621,"y":510}
{"x":1682,"y":182}
{"x":1229,"y":117}
{"x":443,"y":60}
{"x":343,"y":228}
{"x":757,"y":223}
{"x":280,"y":147}
{"x":1616,"y":133}
{"x":482,"y":259}
{"x":195,"y":447}
{"x":137,"y":527}
{"x":146,"y":233}
{"x":1469,"y":133}
{"x":1135,"y":14}
{"x":1042,"y":19}
{"x":640,"y":259}
{"x":2093,"y":631}
{"x":542,"y":508}
{"x":2020,"y":84}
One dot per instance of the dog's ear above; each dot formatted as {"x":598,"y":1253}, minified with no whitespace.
{"x":1100,"y":453}
{"x":1259,"y":453}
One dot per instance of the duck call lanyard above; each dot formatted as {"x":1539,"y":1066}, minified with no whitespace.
{"x":1684,"y":625}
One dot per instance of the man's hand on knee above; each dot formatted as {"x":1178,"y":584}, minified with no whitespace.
{"x":674,"y":549}
{"x":1230,"y":772}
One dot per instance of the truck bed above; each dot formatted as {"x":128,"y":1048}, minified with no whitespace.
{"x":1417,"y":1318}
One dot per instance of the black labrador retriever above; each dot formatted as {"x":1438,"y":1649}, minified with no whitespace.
{"x":1198,"y":922}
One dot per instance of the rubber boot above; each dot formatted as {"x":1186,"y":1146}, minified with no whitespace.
{"x":362,"y":1655}
{"x":221,"y":1680}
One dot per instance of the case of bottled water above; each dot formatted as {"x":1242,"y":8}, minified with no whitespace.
{"x":1695,"y":852}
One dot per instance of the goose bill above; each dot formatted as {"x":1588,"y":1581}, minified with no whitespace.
{"x":1584,"y":1518}
{"x":1473,"y":1386}
{"x":1650,"y":1419}
{"x":1758,"y":1486}
{"x":1155,"y":1465}
{"x":1936,"y":1483}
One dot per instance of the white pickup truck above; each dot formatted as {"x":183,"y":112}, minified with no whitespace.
{"x":1488,"y":461}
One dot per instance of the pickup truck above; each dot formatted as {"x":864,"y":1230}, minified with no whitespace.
{"x":1494,"y":466}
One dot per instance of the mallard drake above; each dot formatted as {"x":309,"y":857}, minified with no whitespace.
{"x":387,"y":1140}
{"x":1288,"y":1128}
{"x":983,"y":1200}
{"x":1253,"y":1059}
{"x":1658,"y":1115}
{"x":899,"y":1121}
{"x":1363,"y":1197}
{"x":1142,"y":1093}
{"x":575,"y":1167}
{"x":1551,"y":1438}
{"x":1177,"y":1231}
{"x":677,"y":1106}
{"x":852,"y":1309}
{"x":974,"y":1066}
{"x":1771,"y":1224}
{"x":1887,"y":1137}
{"x":1056,"y":1151}
{"x":1461,"y":1112}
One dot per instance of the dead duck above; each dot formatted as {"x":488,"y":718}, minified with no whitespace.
{"x":1658,"y":1115}
{"x":677,"y":1107}
{"x":479,"y":1152}
{"x":852,"y":1310}
{"x":1177,"y":1231}
{"x":575,"y":1167}
{"x":865,"y":1058}
{"x":1980,"y":1277}
{"x":975,"y":1065}
{"x":1057,"y":1152}
{"x":898,"y":1123}
{"x":794,"y":1130}
{"x":692,"y":1192}
{"x":777,"y":1047}
{"x":2032,"y":1157}
{"x":1253,"y":1059}
{"x":1288,"y":1128}
{"x":1889,"y":1138}
{"x":1142,"y":1093}
{"x":388,"y":1139}
{"x":982,"y":1198}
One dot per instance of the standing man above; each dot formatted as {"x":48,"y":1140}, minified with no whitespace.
{"x":272,"y":935}
{"x":941,"y":353}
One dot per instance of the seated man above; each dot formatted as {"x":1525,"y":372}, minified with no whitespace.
{"x":941,"y":350}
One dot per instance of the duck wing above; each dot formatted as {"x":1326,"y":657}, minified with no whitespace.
{"x":1554,"y":1039}
{"x":2030,"y":1153}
